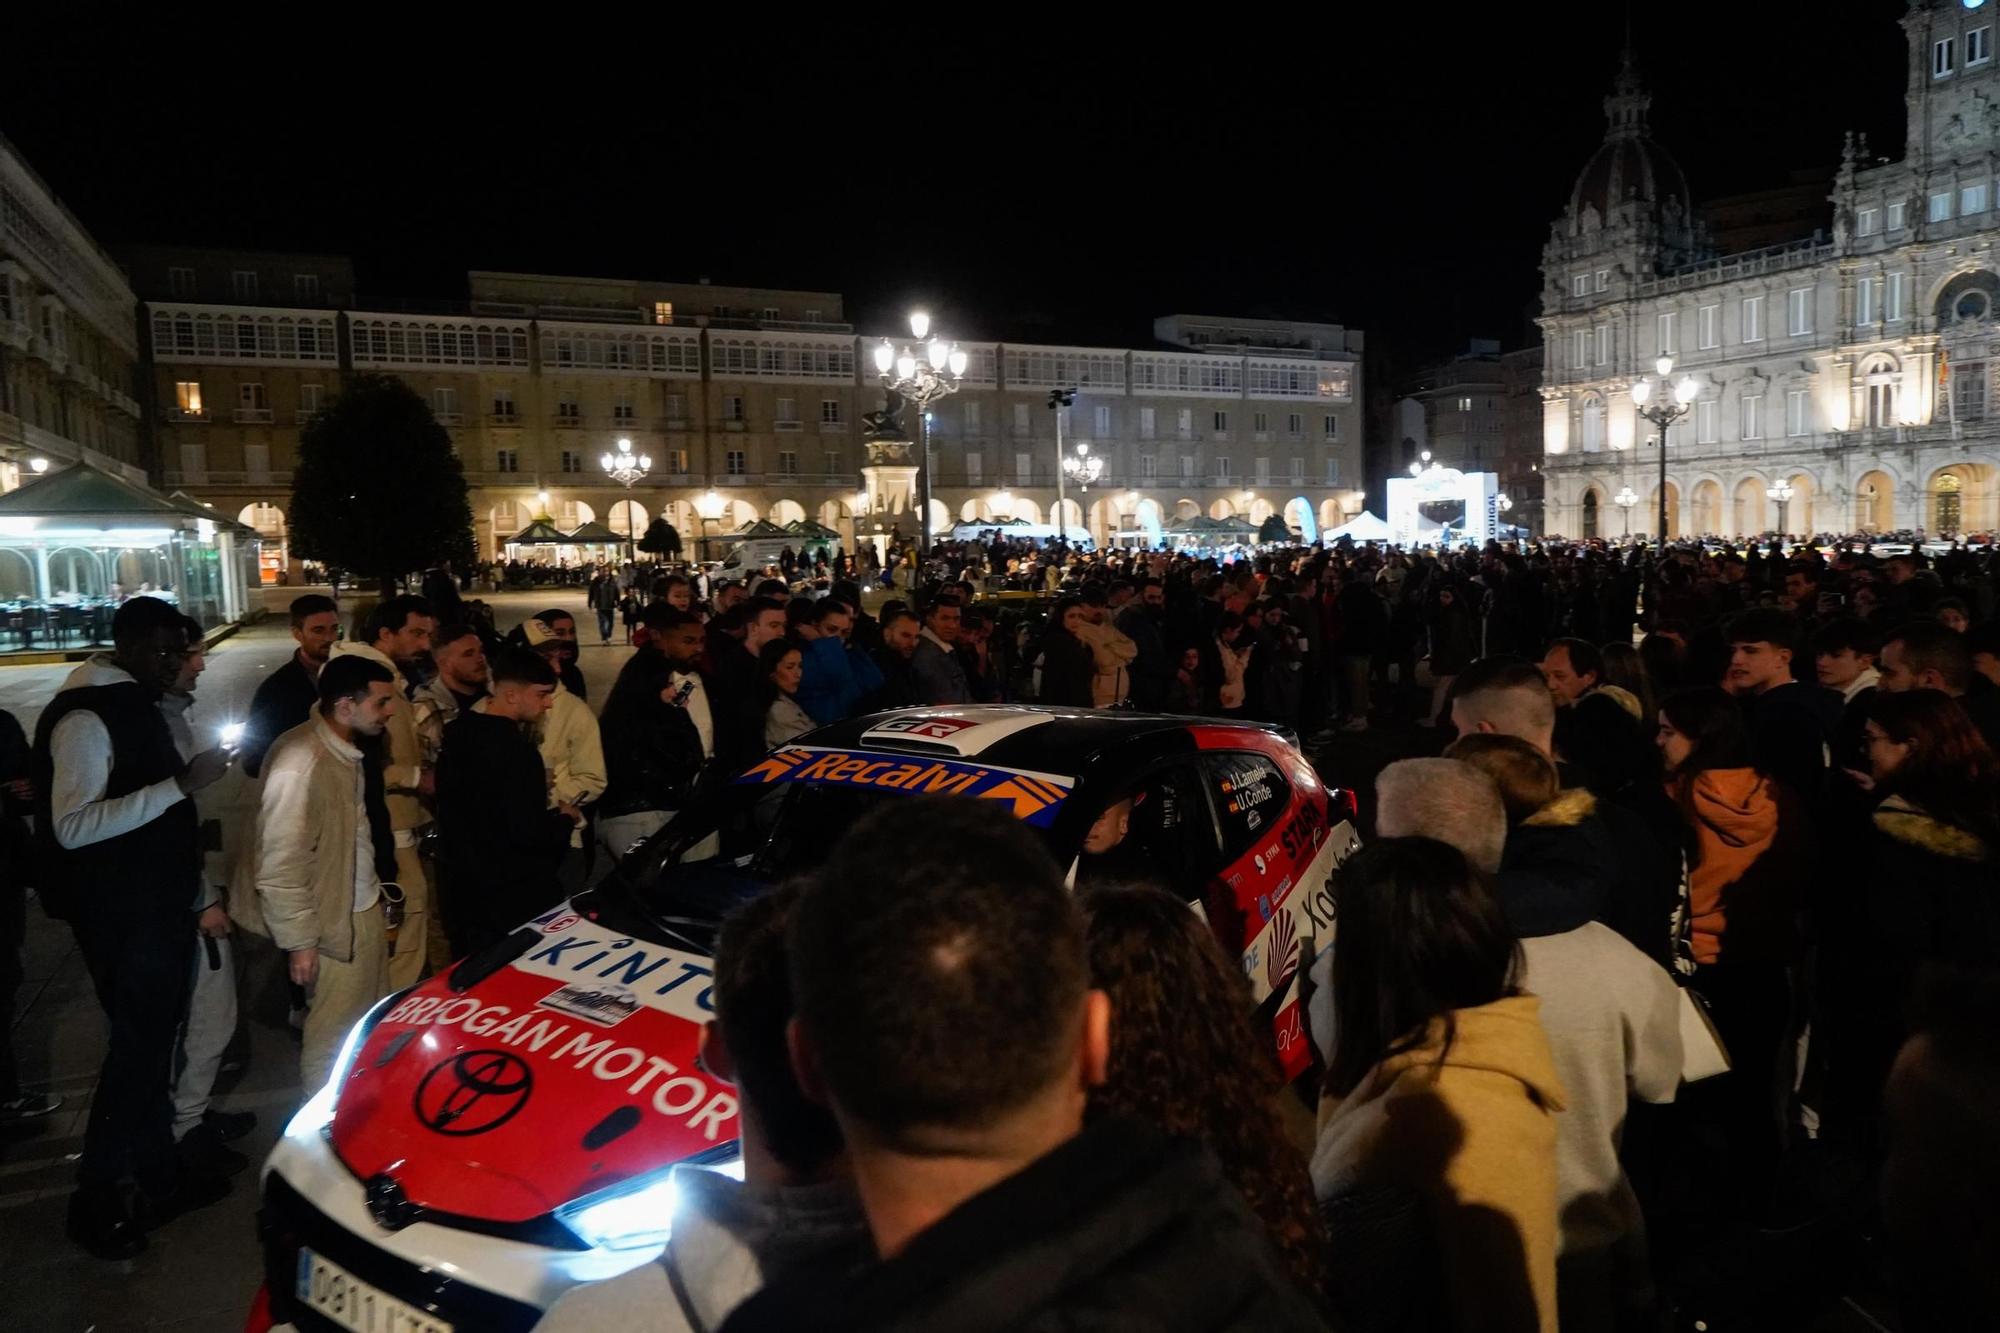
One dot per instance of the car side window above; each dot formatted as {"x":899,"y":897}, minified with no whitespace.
{"x":1169,"y":841}
{"x":1250,"y":793}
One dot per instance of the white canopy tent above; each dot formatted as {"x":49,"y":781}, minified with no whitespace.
{"x":1363,"y":527}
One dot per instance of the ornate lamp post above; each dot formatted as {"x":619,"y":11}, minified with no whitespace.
{"x":1666,"y":412}
{"x":1625,"y":499}
{"x":1782,"y":493}
{"x":1083,"y":467}
{"x":1059,"y":403}
{"x":627,"y":471}
{"x":922,"y":377}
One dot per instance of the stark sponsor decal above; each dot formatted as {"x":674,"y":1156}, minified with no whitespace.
{"x":477,"y":1091}
{"x":607,"y":1006}
{"x":1035,"y":797}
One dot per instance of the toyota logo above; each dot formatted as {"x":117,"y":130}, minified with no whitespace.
{"x":473,"y":1092}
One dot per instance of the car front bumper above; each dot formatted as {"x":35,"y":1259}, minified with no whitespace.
{"x":471,"y":1280}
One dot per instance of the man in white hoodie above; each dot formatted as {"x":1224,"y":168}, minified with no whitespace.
{"x":796,"y":1205}
{"x":394,"y":635}
{"x":1613,"y":1024}
{"x":202,"y":1132}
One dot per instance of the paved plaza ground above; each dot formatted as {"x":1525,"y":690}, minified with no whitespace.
{"x":200,"y":1272}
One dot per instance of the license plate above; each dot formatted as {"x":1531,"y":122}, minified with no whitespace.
{"x":335,"y":1294}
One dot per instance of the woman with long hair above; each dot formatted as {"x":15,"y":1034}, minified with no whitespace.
{"x":1188,"y":1056}
{"x":1069,"y":672}
{"x":780,"y":667}
{"x":1747,"y":862}
{"x":1932,"y":883}
{"x":1441,"y":1081}
{"x":1625,"y":668}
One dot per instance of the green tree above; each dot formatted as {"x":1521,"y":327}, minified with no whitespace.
{"x":1273,"y":529}
{"x":662,"y":538}
{"x":378,"y":491}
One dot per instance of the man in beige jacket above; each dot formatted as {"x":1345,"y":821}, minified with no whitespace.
{"x":316,"y":880}
{"x":572,"y":748}
{"x":394,"y":635}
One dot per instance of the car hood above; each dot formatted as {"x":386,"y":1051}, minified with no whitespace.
{"x":567,"y":1071}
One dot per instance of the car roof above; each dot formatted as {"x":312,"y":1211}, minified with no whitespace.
{"x":1044,"y":739}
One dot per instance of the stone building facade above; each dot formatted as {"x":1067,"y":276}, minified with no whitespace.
{"x":754,"y":395}
{"x":69,"y":351}
{"x":1857,"y":365}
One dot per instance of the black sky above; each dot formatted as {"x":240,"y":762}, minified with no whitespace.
{"x":1396,"y":171}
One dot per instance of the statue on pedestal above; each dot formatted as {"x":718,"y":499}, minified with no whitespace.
{"x":886,"y":424}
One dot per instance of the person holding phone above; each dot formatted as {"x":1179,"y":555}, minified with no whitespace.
{"x":202,"y":1132}
{"x":120,"y":844}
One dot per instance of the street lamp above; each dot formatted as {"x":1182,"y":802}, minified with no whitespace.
{"x":38,"y":465}
{"x":1625,"y":499}
{"x":1666,"y":412}
{"x":1782,"y":493}
{"x":1059,"y":403}
{"x":1083,"y":468}
{"x":922,"y":377}
{"x":1003,"y":506}
{"x":708,"y":508}
{"x":627,"y":471}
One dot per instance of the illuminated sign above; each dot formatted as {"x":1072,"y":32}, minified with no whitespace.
{"x":1036,"y":797}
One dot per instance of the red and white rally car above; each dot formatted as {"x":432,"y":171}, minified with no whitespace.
{"x":505,"y":1130}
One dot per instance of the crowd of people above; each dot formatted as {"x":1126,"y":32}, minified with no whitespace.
{"x":1685,"y":944}
{"x":1655,"y":996}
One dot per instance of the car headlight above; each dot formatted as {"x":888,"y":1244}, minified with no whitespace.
{"x":317,"y":1113}
{"x":633,"y":1214}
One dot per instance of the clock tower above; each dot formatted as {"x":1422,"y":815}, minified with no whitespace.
{"x":1953,"y":101}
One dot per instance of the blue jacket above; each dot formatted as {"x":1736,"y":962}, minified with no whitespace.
{"x":835,"y":679}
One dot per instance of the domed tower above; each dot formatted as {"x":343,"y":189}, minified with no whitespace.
{"x":1630,"y":210}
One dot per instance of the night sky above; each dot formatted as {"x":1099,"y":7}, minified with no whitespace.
{"x":1059,"y":181}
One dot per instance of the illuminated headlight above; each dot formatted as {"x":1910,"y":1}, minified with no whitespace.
{"x":317,"y":1113}
{"x":635,"y":1214}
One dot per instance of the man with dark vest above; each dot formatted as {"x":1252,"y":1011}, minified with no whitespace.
{"x":119,"y":843}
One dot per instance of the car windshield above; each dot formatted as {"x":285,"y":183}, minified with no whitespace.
{"x":812,"y":819}
{"x":736,"y":841}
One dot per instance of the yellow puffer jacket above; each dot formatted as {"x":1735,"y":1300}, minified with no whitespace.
{"x":1471,"y":1128}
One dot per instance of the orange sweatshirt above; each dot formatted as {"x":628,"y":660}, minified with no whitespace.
{"x":1741,"y":867}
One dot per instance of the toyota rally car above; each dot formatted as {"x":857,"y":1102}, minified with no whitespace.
{"x":506,"y":1129}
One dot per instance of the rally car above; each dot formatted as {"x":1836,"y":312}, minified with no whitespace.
{"x":506,"y":1130}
